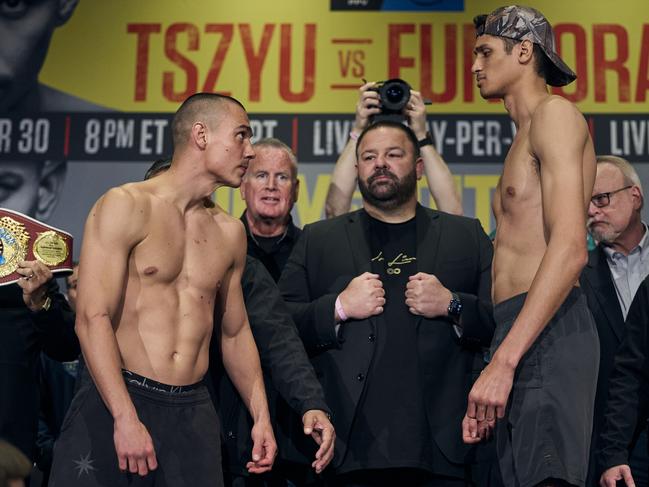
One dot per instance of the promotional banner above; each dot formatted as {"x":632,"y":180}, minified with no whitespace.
{"x":88,"y":90}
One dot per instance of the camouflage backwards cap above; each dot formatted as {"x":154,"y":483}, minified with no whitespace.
{"x":525,"y":23}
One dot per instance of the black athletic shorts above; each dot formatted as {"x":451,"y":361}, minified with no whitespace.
{"x":547,"y":428}
{"x":180,"y":419}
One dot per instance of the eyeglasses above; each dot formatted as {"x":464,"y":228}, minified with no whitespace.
{"x":604,"y":199}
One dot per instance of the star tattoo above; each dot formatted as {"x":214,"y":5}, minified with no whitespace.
{"x":84,"y":465}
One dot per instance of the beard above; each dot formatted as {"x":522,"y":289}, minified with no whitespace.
{"x":603,"y":233}
{"x":388,"y":194}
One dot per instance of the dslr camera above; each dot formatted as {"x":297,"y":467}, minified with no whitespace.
{"x":394,"y":94}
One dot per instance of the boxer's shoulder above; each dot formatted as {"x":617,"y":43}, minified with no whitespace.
{"x":229,"y":224}
{"x":121,"y":214}
{"x":127,"y":197}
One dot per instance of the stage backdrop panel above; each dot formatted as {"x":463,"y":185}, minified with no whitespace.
{"x":98,"y":103}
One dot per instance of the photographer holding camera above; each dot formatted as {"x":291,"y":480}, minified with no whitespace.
{"x":370,"y":107}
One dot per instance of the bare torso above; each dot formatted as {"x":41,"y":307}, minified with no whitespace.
{"x":521,"y":236}
{"x":165,"y":321}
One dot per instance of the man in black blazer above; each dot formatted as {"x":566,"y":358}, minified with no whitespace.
{"x":393,"y":305}
{"x":34,"y":316}
{"x":291,"y":386}
{"x":628,"y":401}
{"x":614,"y":271}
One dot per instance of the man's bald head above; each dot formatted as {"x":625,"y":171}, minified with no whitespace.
{"x":200,"y":107}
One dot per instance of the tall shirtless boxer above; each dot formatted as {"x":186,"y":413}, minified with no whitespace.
{"x":151,"y":279}
{"x":539,"y":387}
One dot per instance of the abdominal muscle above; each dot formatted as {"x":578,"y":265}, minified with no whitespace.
{"x":519,"y":248}
{"x":164,"y":333}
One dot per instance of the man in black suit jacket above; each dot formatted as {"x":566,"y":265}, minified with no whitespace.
{"x":628,"y":401}
{"x":29,"y":324}
{"x":393,"y":304}
{"x":34,"y":315}
{"x":615,"y":268}
{"x":288,"y":375}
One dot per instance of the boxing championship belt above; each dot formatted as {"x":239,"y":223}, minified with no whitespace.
{"x":23,"y":238}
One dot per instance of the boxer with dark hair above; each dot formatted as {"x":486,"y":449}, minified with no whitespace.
{"x":145,"y":317}
{"x":539,"y":386}
{"x":287,"y":373}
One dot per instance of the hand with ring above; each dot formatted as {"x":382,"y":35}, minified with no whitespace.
{"x":36,"y":276}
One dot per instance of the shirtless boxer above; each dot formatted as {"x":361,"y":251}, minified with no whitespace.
{"x":539,"y":387}
{"x":151,"y":279}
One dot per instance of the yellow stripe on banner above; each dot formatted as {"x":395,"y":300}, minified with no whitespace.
{"x":296,"y":56}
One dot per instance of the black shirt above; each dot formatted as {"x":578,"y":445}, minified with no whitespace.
{"x":391,"y":429}
{"x":23,"y":335}
{"x":272,"y":252}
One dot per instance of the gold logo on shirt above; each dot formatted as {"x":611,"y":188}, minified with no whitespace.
{"x":393,"y":265}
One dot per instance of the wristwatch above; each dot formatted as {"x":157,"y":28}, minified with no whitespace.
{"x":428,"y":140}
{"x":454,"y":308}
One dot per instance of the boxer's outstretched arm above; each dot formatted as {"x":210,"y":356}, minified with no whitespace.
{"x":115,"y":225}
{"x":241,"y":359}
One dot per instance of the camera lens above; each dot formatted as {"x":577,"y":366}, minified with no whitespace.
{"x":394,"y":94}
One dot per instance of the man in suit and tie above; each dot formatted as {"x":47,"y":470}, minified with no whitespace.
{"x":615,"y":269}
{"x":393,"y":303}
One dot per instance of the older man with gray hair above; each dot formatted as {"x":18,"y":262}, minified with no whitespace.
{"x":270,"y":189}
{"x":615,"y":270}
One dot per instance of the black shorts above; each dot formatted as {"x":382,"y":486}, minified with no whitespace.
{"x":547,"y":428}
{"x":181,"y":421}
